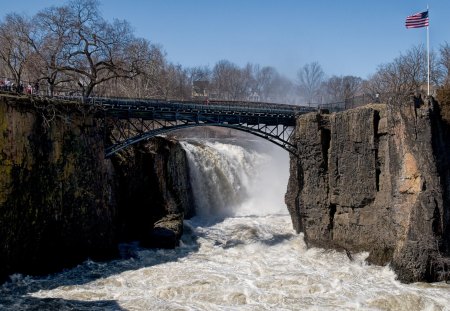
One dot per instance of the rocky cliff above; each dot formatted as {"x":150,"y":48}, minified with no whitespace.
{"x":154,"y":192}
{"x":62,"y":202}
{"x":376,"y":179}
{"x":56,"y":197}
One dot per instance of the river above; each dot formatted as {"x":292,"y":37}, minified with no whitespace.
{"x":239,"y":253}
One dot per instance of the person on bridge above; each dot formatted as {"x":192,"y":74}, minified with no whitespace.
{"x":29,"y":89}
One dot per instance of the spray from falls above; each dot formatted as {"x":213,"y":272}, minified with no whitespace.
{"x":230,"y":180}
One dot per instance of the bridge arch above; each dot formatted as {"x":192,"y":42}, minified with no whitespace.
{"x":137,"y":120}
{"x":274,"y":136}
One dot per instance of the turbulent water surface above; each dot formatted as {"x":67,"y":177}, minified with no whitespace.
{"x":240,"y":253}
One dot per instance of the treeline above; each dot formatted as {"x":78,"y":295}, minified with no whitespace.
{"x":72,"y":49}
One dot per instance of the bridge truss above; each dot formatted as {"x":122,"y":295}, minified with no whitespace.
{"x":131,"y":121}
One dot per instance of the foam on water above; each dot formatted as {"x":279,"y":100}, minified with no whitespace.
{"x":254,"y":263}
{"x":250,"y":260}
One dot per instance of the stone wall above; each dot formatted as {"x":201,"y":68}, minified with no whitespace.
{"x":375,"y":179}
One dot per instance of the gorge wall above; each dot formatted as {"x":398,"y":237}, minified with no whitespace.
{"x":61,"y":202}
{"x":376,"y":179}
{"x":154,"y":192}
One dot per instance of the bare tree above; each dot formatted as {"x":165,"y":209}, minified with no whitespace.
{"x":97,"y":51}
{"x":72,"y":45}
{"x":229,"y":81}
{"x":144,"y":85}
{"x":48,"y":39}
{"x":174,"y":82}
{"x":343,"y":88}
{"x":200,"y":73}
{"x":265,"y":82}
{"x":333,"y":88}
{"x":15,"y":51}
{"x":406,"y":74}
{"x":245,"y":83}
{"x":153,"y":69}
{"x":310,"y":78}
{"x":445,"y":61}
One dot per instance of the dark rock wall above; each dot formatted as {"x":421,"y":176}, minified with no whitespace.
{"x":441,"y":144}
{"x":61,"y":202}
{"x":375,"y":179}
{"x":154,"y":187}
{"x":56,"y":201}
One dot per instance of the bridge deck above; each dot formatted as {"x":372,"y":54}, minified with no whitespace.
{"x":269,"y":121}
{"x":276,"y":114}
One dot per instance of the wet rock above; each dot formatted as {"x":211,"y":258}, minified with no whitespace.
{"x":153,"y":183}
{"x":166,"y":232}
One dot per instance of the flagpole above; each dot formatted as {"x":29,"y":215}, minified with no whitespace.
{"x":428,"y":56}
{"x":420,"y":20}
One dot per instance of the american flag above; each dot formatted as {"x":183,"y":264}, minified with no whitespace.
{"x":417,"y":20}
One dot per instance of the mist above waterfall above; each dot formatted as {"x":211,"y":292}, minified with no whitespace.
{"x":237,"y":178}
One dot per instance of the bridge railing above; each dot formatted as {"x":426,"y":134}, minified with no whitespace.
{"x":350,"y":103}
{"x":230,"y":106}
{"x":65,"y":92}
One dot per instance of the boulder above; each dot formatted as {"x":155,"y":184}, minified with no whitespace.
{"x":166,"y":232}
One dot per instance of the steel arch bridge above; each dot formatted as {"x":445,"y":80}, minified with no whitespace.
{"x":134,"y":120}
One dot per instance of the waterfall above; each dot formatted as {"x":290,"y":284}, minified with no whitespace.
{"x":231,"y":180}
{"x":251,"y":260}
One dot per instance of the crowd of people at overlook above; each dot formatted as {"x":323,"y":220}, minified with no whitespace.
{"x":7,"y":85}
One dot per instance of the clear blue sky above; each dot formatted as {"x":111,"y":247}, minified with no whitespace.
{"x":347,"y":37}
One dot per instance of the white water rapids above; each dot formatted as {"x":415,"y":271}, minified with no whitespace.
{"x":240,"y":253}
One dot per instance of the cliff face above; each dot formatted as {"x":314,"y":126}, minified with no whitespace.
{"x":62,"y":202}
{"x":375,"y":179}
{"x":56,"y":201}
{"x":155,"y":192}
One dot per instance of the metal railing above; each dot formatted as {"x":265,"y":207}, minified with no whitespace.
{"x":72,"y":93}
{"x":350,"y":103}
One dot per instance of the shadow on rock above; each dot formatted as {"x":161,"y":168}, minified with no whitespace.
{"x":15,"y":293}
